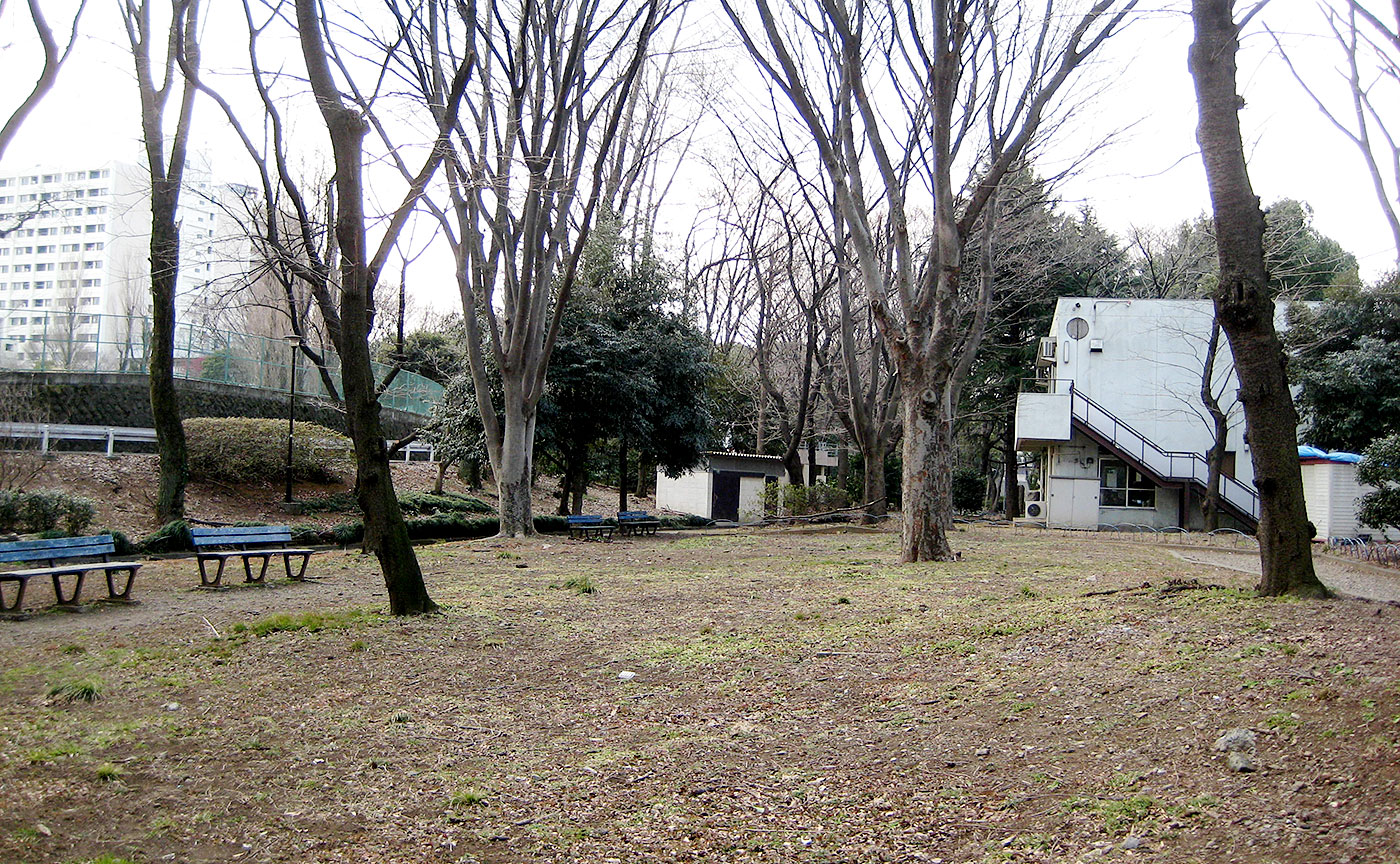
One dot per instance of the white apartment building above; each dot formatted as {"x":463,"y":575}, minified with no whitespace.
{"x":74,"y":260}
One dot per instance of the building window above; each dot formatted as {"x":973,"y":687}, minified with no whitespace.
{"x":1123,"y":486}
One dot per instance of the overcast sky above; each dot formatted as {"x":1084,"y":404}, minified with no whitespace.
{"x":1151,"y":176}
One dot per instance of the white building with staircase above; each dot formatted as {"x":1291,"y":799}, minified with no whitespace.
{"x":1117,"y":418}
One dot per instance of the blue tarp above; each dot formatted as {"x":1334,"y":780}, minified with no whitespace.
{"x":1306,"y":452}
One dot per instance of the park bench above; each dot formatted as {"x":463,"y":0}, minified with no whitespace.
{"x":636,"y":522}
{"x":249,"y":543}
{"x":96,"y":549}
{"x":590,"y":528}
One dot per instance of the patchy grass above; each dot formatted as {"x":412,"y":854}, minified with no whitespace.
{"x":794,"y":695}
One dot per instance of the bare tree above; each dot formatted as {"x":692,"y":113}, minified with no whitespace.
{"x":1371,"y":48}
{"x":348,"y":123}
{"x":965,"y":84}
{"x":1245,"y":309}
{"x":54,"y":58}
{"x":156,"y":82}
{"x":552,"y":85}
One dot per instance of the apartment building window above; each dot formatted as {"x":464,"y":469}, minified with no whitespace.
{"x":20,"y":304}
{"x":92,"y":283}
{"x":24,"y":250}
{"x":77,"y":193}
{"x":99,"y":175}
{"x":44,"y":232}
{"x":97,"y":193}
{"x":18,"y":320}
{"x":75,"y":175}
{"x":40,"y":302}
{"x":4,"y":268}
{"x":93,"y":229}
{"x":88,"y":301}
{"x":7,"y":199}
{"x":41,"y":286}
{"x":91,"y":265}
{"x":20,"y":286}
{"x":1123,"y":486}
{"x":45,"y":250}
{"x":46,"y":267}
{"x":69,"y":247}
{"x":5,"y":251}
{"x":51,"y":178}
{"x":6,"y":181}
{"x":68,"y":265}
{"x":30,"y":197}
{"x":72,"y":229}
{"x":23,"y":268}
{"x":91,"y":247}
{"x":96,"y":211}
{"x":67,"y":283}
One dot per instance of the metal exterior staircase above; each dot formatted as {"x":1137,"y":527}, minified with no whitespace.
{"x":1163,"y":466}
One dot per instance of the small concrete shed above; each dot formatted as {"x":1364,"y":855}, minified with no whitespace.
{"x":726,"y":486}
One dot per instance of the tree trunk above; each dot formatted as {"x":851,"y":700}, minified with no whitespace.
{"x":165,"y":405}
{"x":386,"y":534}
{"x":643,"y":478}
{"x":873,"y":483}
{"x":622,"y":472}
{"x":443,"y":465}
{"x":811,"y":461}
{"x":1246,"y":311}
{"x":1011,"y":497}
{"x":843,"y":467}
{"x":514,"y":473}
{"x":927,"y":490}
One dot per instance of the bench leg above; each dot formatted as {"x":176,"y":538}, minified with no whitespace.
{"x":217,"y":581}
{"x":18,"y":604}
{"x":248,"y":569}
{"x":123,"y":596}
{"x":67,"y":602}
{"x":301,"y":574}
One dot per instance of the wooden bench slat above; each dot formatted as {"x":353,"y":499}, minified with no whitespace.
{"x":258,"y":543}
{"x":59,"y":549}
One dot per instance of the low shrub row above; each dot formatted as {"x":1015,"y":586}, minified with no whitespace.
{"x":45,"y":511}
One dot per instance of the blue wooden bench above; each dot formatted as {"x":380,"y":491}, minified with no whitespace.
{"x":590,"y":528}
{"x":96,"y":549}
{"x":636,"y":522}
{"x":247,"y":543}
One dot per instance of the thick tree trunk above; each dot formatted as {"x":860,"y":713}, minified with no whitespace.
{"x":927,"y":490}
{"x":643,"y":478}
{"x":1246,"y":311}
{"x":165,"y":405}
{"x":811,"y":461}
{"x":843,"y":466}
{"x":514,"y":474}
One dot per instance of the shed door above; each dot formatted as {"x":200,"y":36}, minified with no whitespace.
{"x":724,"y":503}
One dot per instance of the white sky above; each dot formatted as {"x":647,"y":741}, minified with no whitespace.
{"x":1151,"y":176}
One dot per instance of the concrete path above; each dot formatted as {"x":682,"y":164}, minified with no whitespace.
{"x":1344,"y":576}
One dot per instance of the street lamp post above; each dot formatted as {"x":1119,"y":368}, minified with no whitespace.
{"x":294,"y":341}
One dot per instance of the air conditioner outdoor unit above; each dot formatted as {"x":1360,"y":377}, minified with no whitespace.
{"x":1034,"y":509}
{"x":1046,"y":355}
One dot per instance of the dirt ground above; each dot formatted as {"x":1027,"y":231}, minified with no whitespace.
{"x":795,"y":695}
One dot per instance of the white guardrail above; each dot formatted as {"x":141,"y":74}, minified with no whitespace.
{"x":46,"y":433}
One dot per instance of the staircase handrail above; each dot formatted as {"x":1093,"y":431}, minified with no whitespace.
{"x":1251,"y":496}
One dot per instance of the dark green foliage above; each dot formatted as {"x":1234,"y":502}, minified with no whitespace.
{"x":254,"y":450}
{"x":1381,"y":468}
{"x":690,"y":520}
{"x":305,"y":535}
{"x":339,"y":502}
{"x":418,"y":503}
{"x":448,"y":526}
{"x":968,"y":488}
{"x":121,"y":544}
{"x":170,"y":537}
{"x":46,"y":510}
{"x":1347,"y":363}
{"x":625,"y":366}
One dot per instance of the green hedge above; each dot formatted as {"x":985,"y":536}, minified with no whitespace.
{"x":448,"y":526}
{"x":254,"y":450}
{"x":422,"y":503}
{"x":45,"y":511}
